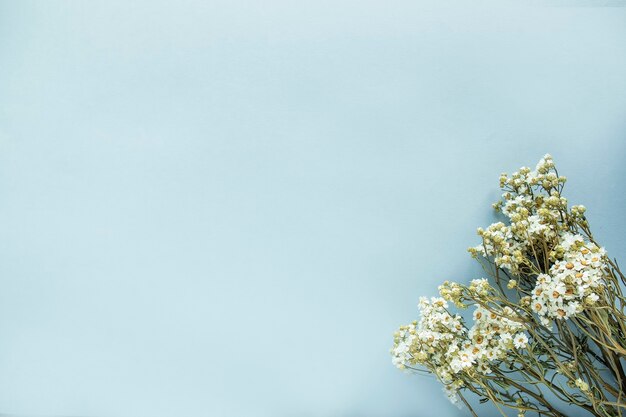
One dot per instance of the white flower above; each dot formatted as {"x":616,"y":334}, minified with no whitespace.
{"x":479,"y":312}
{"x":592,"y":298}
{"x":573,"y":308}
{"x":568,"y":240}
{"x":538,"y":306}
{"x":575,"y":279}
{"x":535,"y":226}
{"x":452,"y":394}
{"x":467,"y":360}
{"x":491,"y":354}
{"x":520,"y":341}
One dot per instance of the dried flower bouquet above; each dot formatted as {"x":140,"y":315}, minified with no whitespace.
{"x":547,"y":330}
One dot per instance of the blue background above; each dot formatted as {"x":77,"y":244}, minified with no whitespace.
{"x":225,"y":208}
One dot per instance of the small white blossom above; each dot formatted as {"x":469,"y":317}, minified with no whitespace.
{"x":520,"y":341}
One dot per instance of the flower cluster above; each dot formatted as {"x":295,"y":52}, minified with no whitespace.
{"x":427,"y":341}
{"x":573,"y":283}
{"x":495,"y":332}
{"x":533,"y":205}
{"x":442,"y":343}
